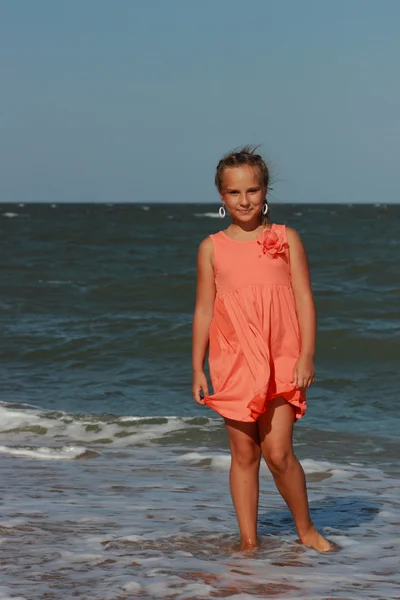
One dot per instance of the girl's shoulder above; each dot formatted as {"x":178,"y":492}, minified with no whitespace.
{"x":292,"y":235}
{"x":212,"y":239}
{"x":288,"y":232}
{"x":206,"y":246}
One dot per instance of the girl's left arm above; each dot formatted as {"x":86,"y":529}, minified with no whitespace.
{"x":301,"y":284}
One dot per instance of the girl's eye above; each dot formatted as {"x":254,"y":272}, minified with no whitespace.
{"x":253,"y":190}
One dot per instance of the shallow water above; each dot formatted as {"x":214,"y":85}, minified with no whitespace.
{"x":114,"y":483}
{"x":89,"y":513}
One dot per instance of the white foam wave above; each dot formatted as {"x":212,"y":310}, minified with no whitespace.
{"x":11,"y":418}
{"x":30,"y":423}
{"x":210,"y":215}
{"x":222,"y":461}
{"x":133,"y":587}
{"x":335,"y":470}
{"x":10,"y":215}
{"x":214,"y":460}
{"x":44,"y":453}
{"x":316,"y":466}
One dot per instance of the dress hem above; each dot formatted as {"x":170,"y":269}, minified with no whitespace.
{"x":258,"y":405}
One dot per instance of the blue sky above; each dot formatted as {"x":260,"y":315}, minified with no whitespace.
{"x":136,"y":100}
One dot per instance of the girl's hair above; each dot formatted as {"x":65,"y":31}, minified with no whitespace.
{"x":244,"y":156}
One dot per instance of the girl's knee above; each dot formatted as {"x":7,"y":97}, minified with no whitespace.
{"x":278,"y":460}
{"x":246,"y":456}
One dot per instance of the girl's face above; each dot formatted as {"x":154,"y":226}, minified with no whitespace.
{"x":242,"y":193}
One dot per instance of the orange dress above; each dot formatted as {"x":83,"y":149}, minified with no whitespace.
{"x":254,"y":339}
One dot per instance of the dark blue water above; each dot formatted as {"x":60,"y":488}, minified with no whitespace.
{"x":97,"y":305}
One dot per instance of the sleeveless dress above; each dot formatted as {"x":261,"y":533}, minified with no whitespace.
{"x":254,"y":338}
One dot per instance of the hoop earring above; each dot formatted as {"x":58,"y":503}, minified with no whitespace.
{"x":222,"y":211}
{"x":265,"y":209}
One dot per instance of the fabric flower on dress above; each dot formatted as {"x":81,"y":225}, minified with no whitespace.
{"x":272,"y":244}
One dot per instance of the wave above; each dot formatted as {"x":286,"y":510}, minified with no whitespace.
{"x":211,"y":215}
{"x":319,"y":469}
{"x":30,"y":432}
{"x":29,"y":424}
{"x":44,"y":453}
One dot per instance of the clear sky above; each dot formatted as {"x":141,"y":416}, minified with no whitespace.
{"x":136,"y":100}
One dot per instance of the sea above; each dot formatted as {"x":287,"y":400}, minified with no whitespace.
{"x":114,"y":483}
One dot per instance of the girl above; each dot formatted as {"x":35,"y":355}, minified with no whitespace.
{"x":255,"y":312}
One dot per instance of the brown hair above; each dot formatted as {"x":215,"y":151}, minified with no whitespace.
{"x":245,"y":156}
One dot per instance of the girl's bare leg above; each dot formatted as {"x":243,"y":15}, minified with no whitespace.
{"x":275,"y":431}
{"x":243,"y":477}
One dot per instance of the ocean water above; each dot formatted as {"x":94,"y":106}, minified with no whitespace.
{"x":114,"y":483}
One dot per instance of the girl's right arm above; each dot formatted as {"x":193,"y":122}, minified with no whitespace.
{"x":203,"y":314}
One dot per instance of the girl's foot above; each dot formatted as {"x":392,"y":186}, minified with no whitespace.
{"x":315,"y":540}
{"x":248,"y":545}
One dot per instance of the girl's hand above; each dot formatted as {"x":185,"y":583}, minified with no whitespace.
{"x":199,"y":384}
{"x":303,"y":374}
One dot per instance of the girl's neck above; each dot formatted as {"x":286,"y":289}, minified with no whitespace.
{"x":250,"y":227}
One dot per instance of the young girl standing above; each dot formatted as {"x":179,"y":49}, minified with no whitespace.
{"x":255,"y":312}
